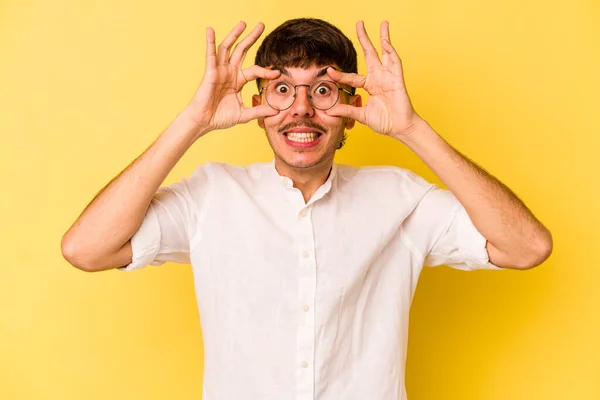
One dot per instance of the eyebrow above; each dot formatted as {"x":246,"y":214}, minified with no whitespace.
{"x":287,"y":73}
{"x":282,"y":70}
{"x":322,"y":72}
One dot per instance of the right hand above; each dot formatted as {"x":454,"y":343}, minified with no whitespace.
{"x":217,"y":104}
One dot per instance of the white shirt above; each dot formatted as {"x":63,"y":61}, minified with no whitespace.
{"x":306,"y":301}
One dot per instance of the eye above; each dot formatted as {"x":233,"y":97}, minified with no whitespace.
{"x":282,"y":88}
{"x":323,"y":90}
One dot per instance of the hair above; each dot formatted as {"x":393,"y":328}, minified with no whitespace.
{"x":304,"y":42}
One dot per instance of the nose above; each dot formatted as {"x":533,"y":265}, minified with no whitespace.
{"x":302,"y":106}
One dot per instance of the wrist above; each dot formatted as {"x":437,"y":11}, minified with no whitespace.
{"x":189,"y":117}
{"x":425,"y":142}
{"x":184,"y":130}
{"x":413,"y":132}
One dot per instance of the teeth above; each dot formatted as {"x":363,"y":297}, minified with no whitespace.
{"x":304,"y":137}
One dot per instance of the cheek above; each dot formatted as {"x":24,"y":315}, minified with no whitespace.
{"x":271,"y":127}
{"x":332,"y":123}
{"x":274,"y":122}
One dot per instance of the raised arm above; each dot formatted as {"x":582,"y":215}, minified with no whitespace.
{"x":100,"y":238}
{"x":515,"y":238}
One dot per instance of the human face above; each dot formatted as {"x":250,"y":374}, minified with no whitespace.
{"x":301,"y":136}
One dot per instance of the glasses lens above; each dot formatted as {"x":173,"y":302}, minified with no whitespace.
{"x":280,"y":95}
{"x":324,"y":94}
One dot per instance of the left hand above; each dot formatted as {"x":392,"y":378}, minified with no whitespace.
{"x":389,"y":110}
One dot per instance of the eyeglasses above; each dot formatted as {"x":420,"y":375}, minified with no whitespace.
{"x":322,"y":95}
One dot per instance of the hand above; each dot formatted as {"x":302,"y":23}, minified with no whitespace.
{"x":389,"y":110}
{"x":217,"y":104}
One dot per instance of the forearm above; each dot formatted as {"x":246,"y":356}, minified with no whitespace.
{"x":496,"y":212}
{"x":115,"y":214}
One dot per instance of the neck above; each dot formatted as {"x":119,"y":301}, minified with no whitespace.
{"x":307,"y":180}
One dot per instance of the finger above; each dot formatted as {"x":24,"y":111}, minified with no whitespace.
{"x":394,"y":59}
{"x":384,"y":35}
{"x":347,"y":111}
{"x":227,"y":43}
{"x":256,"y":71}
{"x":211,"y":52}
{"x":347,"y":78}
{"x":262,"y":111}
{"x":388,"y":49}
{"x":371,"y":56}
{"x":239,"y":52}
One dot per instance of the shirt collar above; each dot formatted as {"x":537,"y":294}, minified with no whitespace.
{"x":286,"y":183}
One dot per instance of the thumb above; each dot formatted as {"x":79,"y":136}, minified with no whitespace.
{"x":255,"y":71}
{"x":345,"y":110}
{"x":262,"y":111}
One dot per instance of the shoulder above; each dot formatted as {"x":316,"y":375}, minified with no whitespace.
{"x":383,"y":177}
{"x":221,"y":170}
{"x":222,"y":176}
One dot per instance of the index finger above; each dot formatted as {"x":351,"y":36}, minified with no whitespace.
{"x":347,"y":78}
{"x":371,"y":55}
{"x":255,"y":72}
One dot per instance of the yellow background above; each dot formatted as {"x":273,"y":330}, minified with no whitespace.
{"x":85,"y":86}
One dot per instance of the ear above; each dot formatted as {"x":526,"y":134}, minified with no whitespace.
{"x":355,"y":101}
{"x":256,"y":103}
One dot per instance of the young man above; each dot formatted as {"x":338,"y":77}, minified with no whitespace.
{"x":304,"y":270}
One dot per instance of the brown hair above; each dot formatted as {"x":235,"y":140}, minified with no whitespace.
{"x":304,"y":42}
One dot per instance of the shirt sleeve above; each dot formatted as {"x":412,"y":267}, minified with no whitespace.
{"x":445,"y":234}
{"x":168,"y":226}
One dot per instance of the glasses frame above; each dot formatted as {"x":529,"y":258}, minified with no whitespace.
{"x":264,"y":88}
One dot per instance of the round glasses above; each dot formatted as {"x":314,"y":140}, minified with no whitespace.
{"x":322,"y":95}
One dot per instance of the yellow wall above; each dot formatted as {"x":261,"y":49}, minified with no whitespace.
{"x":86,"y":86}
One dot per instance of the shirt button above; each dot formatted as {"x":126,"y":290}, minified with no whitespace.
{"x":305,"y":254}
{"x":305,"y":308}
{"x":304,"y":364}
{"x":304,"y":212}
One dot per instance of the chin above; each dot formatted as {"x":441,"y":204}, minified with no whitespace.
{"x":303,"y":160}
{"x":301,"y":163}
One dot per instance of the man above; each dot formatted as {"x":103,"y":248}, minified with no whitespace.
{"x":304,"y":270}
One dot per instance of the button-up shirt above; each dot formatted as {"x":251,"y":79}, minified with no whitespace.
{"x":306,"y":300}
